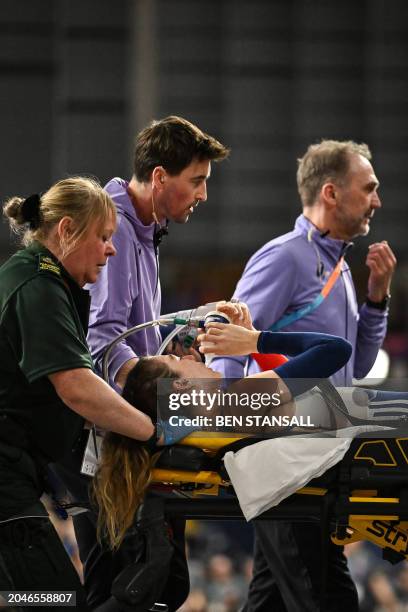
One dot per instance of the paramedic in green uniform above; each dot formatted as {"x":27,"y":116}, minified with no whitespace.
{"x":48,"y":389}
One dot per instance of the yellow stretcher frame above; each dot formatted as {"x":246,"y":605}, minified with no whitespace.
{"x":363,"y":513}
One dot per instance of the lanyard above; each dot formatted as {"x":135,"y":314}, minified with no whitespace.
{"x":305,"y":310}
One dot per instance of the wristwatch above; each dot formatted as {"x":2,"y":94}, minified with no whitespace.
{"x":383,"y":305}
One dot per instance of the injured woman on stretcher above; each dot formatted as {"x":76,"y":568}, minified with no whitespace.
{"x":282,"y":464}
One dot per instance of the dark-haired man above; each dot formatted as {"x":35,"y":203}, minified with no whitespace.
{"x":172,"y":164}
{"x":281,"y":284}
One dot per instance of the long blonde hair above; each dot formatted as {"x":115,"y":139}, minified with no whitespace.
{"x":125,"y":469}
{"x":123,"y":475}
{"x":80,"y":198}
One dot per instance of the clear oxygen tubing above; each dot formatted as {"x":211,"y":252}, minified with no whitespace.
{"x":128,"y":332}
{"x":181,"y":319}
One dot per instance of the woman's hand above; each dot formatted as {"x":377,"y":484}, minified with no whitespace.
{"x":238,"y":312}
{"x":228,"y":339}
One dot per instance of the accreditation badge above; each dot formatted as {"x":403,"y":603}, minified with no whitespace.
{"x":92,"y":453}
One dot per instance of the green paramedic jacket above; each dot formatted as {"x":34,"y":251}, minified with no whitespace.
{"x":43,"y":325}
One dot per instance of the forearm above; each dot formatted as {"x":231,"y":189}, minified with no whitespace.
{"x":316,"y":356}
{"x":298,"y":343}
{"x":89,"y":396}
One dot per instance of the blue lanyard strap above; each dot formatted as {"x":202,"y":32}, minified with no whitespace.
{"x":305,"y":310}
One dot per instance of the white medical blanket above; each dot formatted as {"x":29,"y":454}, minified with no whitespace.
{"x":267,"y":472}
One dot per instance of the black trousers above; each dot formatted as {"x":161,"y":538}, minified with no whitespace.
{"x":102,"y":566}
{"x":287,"y":571}
{"x":32,"y":558}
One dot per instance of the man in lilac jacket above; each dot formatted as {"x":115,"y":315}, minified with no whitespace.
{"x":172,"y":163}
{"x":338,"y":189}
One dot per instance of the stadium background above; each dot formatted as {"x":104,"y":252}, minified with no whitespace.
{"x":267,"y":77}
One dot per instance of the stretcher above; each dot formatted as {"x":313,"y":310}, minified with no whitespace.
{"x":363,"y":497}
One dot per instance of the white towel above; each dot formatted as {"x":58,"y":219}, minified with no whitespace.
{"x":267,"y":472}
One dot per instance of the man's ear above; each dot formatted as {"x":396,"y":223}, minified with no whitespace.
{"x":182,"y":384}
{"x":158,"y":177}
{"x":328,"y":193}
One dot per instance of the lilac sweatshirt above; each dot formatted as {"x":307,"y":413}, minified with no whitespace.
{"x":127,"y":291}
{"x":282,"y":277}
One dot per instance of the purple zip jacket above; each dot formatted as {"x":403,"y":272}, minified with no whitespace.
{"x":127,"y":291}
{"x":283,"y":276}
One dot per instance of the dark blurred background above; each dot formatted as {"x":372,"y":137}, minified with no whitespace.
{"x":266,"y":77}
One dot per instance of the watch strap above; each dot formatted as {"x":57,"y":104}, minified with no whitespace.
{"x":383,"y":305}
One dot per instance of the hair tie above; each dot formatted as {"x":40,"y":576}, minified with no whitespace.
{"x":30,"y":210}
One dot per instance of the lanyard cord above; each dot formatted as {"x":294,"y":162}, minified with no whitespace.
{"x":305,"y":310}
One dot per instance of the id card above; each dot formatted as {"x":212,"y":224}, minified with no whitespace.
{"x":92,"y":452}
